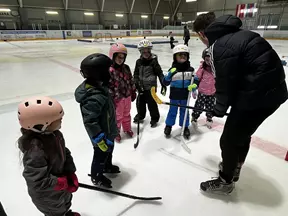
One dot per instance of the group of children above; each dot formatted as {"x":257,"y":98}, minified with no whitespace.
{"x":105,"y":98}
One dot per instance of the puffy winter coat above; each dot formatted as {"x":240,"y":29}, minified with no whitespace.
{"x":206,"y":83}
{"x":41,"y":173}
{"x":179,"y":81}
{"x":121,"y":84}
{"x":146,"y":73}
{"x":98,"y":112}
{"x":249,"y":74}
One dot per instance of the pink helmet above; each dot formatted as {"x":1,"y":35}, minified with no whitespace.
{"x":117,"y":48}
{"x":39,"y":111}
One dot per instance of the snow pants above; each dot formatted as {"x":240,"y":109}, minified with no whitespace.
{"x":123,"y":108}
{"x":172,"y":114}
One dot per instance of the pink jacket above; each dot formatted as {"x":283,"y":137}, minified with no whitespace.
{"x":206,"y":80}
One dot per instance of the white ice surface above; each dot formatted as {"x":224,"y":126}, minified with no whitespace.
{"x":159,"y":167}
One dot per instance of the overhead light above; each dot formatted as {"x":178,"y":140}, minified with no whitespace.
{"x":272,"y":27}
{"x":199,"y":13}
{"x":260,"y":27}
{"x":5,"y":10}
{"x":144,"y":16}
{"x":89,"y":14}
{"x":166,"y":17}
{"x":191,"y":0}
{"x":51,"y":12}
{"x":119,"y":15}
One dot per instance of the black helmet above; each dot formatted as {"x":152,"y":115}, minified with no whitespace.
{"x":205,"y":53}
{"x":96,"y":67}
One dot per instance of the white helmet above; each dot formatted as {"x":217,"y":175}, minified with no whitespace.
{"x":181,"y":48}
{"x":144,"y":44}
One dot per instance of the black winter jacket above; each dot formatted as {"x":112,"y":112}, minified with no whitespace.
{"x":146,"y":72}
{"x":249,"y":73}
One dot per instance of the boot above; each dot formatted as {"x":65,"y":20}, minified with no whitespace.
{"x":167,"y":130}
{"x":118,"y":138}
{"x":153,"y":123}
{"x":112,"y":169}
{"x":101,"y":180}
{"x":218,"y":185}
{"x":129,"y":133}
{"x":70,"y":213}
{"x":186,"y":133}
{"x":236,"y":172}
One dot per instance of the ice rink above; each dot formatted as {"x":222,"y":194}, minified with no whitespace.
{"x":159,"y":167}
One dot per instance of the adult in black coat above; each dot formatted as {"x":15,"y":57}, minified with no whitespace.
{"x":250,"y":79}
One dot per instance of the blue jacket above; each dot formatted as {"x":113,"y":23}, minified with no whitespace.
{"x":179,"y":82}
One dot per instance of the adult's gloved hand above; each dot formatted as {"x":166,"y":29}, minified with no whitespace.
{"x":103,"y":143}
{"x":218,"y":111}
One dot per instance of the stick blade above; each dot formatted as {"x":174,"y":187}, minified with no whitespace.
{"x":154,"y":95}
{"x":137,"y":143}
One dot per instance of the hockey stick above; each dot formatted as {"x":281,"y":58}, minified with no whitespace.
{"x":138,"y":123}
{"x":159,"y":101}
{"x":184,"y":145}
{"x":118,"y":193}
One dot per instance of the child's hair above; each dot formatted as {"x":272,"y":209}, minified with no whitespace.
{"x":25,"y":142}
{"x":203,"y":21}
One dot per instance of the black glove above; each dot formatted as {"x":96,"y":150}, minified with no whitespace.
{"x":163,"y":90}
{"x":139,"y":88}
{"x":218,"y":111}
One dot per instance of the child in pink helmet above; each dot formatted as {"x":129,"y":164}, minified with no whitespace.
{"x":49,"y":169}
{"x":122,"y":88}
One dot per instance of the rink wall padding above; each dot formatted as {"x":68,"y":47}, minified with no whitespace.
{"x":21,"y":35}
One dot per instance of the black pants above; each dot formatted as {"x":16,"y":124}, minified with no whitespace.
{"x":236,"y":137}
{"x":2,"y":212}
{"x":204,"y":101}
{"x":172,"y":44}
{"x":101,"y":160}
{"x":146,"y":98}
{"x":186,"y":40}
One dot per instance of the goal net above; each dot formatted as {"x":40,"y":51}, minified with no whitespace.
{"x":108,"y":37}
{"x":98,"y":37}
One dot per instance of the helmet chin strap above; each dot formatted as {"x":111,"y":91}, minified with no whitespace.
{"x":42,"y":131}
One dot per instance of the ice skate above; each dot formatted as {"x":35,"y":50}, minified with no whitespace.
{"x":194,"y":123}
{"x":209,"y":123}
{"x":167,"y":131}
{"x":129,"y":133}
{"x":236,"y":173}
{"x":186,"y":133}
{"x":70,"y":213}
{"x":112,"y":169}
{"x":101,"y":180}
{"x":118,"y":138}
{"x":217,"y":186}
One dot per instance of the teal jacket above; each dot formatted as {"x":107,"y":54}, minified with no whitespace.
{"x":97,"y":110}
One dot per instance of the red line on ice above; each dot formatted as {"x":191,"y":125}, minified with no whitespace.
{"x":65,"y":65}
{"x":264,"y":145}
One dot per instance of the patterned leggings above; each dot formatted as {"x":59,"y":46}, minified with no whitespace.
{"x":204,"y":101}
